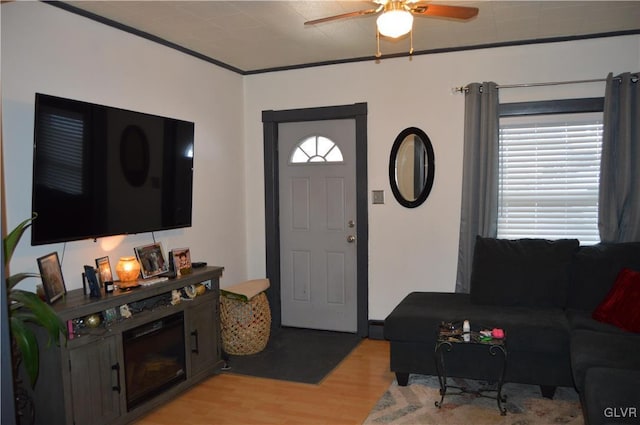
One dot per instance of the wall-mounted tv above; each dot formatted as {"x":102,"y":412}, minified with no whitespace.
{"x":102,"y":171}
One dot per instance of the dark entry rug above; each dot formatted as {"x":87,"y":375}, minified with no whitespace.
{"x":299,"y":355}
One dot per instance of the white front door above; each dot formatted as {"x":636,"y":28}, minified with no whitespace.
{"x":317,"y":178}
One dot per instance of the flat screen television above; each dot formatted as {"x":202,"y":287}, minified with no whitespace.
{"x":102,"y":171}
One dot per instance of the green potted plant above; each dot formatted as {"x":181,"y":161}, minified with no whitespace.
{"x":26,"y":307}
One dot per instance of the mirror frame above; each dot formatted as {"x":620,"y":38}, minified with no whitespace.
{"x":430,"y":167}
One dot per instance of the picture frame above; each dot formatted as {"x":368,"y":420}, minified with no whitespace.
{"x":110,"y":315}
{"x":104,"y":270}
{"x":52,"y":279}
{"x":181,"y":261}
{"x":92,"y":279}
{"x":86,"y":288}
{"x":151,"y":259}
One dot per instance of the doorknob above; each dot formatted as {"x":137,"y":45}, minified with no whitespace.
{"x":351,"y":239}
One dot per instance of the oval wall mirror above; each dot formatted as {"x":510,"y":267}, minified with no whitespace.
{"x":411,"y":167}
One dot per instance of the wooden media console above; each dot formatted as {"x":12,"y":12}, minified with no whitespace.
{"x":102,"y":373}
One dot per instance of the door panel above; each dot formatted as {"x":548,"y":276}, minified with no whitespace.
{"x":336,"y":272}
{"x":317,"y":203}
{"x":94,"y":376}
{"x":300,"y":203}
{"x":335,"y":203}
{"x":301,"y":278}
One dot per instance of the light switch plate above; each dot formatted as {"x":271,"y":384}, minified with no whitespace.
{"x":378,"y":196}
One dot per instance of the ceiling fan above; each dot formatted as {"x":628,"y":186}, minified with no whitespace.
{"x":396,"y":19}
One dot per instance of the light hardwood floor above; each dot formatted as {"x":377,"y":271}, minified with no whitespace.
{"x":346,"y":396}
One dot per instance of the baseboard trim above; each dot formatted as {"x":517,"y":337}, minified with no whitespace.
{"x":376,"y":329}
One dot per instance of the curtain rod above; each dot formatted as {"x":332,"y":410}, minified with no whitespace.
{"x":463,"y":89}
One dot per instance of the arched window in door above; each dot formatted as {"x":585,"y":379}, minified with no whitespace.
{"x":315,"y":149}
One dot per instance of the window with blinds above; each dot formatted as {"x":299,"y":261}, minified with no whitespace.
{"x":548,"y":178}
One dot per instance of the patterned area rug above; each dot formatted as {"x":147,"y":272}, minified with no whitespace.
{"x":415,"y":404}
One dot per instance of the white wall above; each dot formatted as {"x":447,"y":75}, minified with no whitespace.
{"x":416,"y":249}
{"x":45,"y":49}
{"x":48,"y":50}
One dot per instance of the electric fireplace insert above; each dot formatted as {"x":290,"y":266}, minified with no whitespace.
{"x":154,"y":358}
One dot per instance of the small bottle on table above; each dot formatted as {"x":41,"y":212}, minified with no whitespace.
{"x":466,"y":331}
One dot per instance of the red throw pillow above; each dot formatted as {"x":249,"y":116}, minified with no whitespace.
{"x":621,"y":306}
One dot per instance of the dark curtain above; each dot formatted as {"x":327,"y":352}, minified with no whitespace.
{"x":479,"y":208}
{"x":619,"y":202}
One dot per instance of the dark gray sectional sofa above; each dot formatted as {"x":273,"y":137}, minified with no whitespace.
{"x":542,"y":293}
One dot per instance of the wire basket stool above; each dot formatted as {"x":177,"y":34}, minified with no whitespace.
{"x":246,"y":325}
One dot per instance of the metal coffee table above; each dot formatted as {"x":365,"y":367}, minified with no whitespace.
{"x":451,"y":336}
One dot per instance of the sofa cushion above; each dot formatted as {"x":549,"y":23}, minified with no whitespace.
{"x":523,"y":272}
{"x":621,"y":306}
{"x":579,"y":319}
{"x":417,"y":317}
{"x":602,"y":349}
{"x":619,"y":403}
{"x":534,"y":330}
{"x":594,"y":270}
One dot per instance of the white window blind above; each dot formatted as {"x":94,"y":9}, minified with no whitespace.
{"x":548,"y":180}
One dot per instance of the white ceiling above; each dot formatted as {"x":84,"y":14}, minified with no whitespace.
{"x":251,"y":36}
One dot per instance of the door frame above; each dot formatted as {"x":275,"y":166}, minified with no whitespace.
{"x":270,"y":121}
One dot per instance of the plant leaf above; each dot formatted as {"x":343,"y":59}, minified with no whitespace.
{"x":24,"y":315}
{"x":28,"y":346}
{"x":12,"y":239}
{"x":28,"y":307}
{"x":39,"y":313}
{"x":13,"y":280}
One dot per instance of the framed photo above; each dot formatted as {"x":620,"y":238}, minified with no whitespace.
{"x":86,"y":288}
{"x":110,"y":315}
{"x":92,"y":279}
{"x":104,"y":270}
{"x":181,"y":258}
{"x":151,"y":259}
{"x":51,"y":275}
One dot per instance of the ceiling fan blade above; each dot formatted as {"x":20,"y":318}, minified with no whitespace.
{"x":455,"y":12}
{"x":344,"y":15}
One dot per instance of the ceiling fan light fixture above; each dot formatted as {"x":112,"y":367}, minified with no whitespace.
{"x":395,"y":23}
